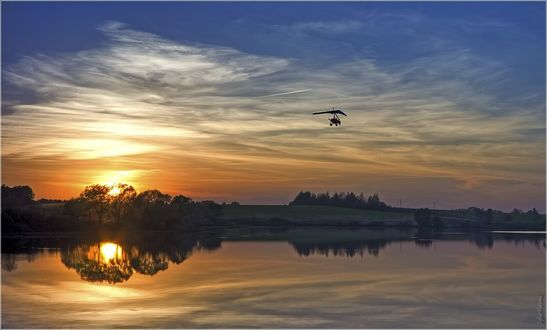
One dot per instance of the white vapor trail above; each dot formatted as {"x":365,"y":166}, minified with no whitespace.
{"x":287,"y":93}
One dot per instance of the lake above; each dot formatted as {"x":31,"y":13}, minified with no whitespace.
{"x":275,"y":278}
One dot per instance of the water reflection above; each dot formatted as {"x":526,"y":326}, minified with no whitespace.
{"x":283,"y":278}
{"x":370,"y":242}
{"x":337,"y":249}
{"x":115,"y":261}
{"x":110,"y":261}
{"x":101,"y":262}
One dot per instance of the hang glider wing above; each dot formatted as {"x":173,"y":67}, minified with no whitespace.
{"x":331,"y":111}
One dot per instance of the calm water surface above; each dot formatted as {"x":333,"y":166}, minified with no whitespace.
{"x":319,"y":278}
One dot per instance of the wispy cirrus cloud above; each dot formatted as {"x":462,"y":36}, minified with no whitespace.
{"x":288,"y":93}
{"x":328,"y":27}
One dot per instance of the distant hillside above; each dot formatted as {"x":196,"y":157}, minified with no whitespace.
{"x":340,"y":216}
{"x":311,"y":215}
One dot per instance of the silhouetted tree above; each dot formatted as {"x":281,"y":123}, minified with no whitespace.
{"x":533,"y":213}
{"x":183,"y":207}
{"x":209,"y":210}
{"x":16,"y":197}
{"x":75,"y":207}
{"x":50,"y":201}
{"x":336,"y":200}
{"x":373,"y":201}
{"x":97,"y":198}
{"x":340,"y":199}
{"x":350,"y":200}
{"x":323,"y":198}
{"x":154,"y":196}
{"x":488,"y":216}
{"x":120,"y":202}
{"x":151,"y":208}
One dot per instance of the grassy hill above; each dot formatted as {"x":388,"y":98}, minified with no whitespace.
{"x":311,"y":215}
{"x":328,"y":215}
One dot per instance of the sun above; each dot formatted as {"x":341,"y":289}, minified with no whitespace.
{"x":114,"y":190}
{"x":113,"y":178}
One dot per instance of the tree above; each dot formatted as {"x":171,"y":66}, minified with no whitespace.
{"x":340,"y":199}
{"x":208,"y":210}
{"x":533,"y":213}
{"x":149,"y":264}
{"x":97,"y":198}
{"x":153,"y":197}
{"x":75,"y":207}
{"x":373,"y":202}
{"x":323,"y":198}
{"x":16,"y":197}
{"x":183,"y":207}
{"x":488,"y":216}
{"x":92,"y":265}
{"x":336,"y":200}
{"x":121,"y":201}
{"x":151,"y":208}
{"x":350,"y":200}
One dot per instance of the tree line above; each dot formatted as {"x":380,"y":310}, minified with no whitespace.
{"x":102,"y":205}
{"x":349,"y":199}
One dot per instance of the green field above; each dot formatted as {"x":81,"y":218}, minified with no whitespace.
{"x":328,"y":215}
{"x":312,"y":215}
{"x":499,"y":219}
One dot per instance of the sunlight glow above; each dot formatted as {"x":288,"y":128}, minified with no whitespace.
{"x":110,"y":251}
{"x":114,"y":190}
{"x":93,"y":148}
{"x":113,"y":178}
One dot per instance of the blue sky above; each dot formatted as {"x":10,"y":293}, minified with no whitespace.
{"x":445,"y":99}
{"x":511,"y":34}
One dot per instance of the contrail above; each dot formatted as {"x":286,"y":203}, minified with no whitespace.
{"x":286,"y":93}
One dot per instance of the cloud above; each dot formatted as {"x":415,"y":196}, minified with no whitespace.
{"x":329,"y":27}
{"x":118,"y":90}
{"x":288,"y":93}
{"x":206,"y":115}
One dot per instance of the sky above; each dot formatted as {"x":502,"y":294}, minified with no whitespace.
{"x":446,"y":101}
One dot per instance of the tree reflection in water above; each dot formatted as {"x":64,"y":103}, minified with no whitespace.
{"x":100,"y":262}
{"x":348,"y":249}
{"x":114,"y":263}
{"x":349,"y":244}
{"x":114,"y":259}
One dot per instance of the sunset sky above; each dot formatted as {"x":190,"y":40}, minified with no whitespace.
{"x":446,"y":101}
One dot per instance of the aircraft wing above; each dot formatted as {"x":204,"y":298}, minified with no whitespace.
{"x":331,"y":111}
{"x":320,"y":112}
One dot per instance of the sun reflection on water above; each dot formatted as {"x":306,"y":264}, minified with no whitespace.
{"x":110,"y":251}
